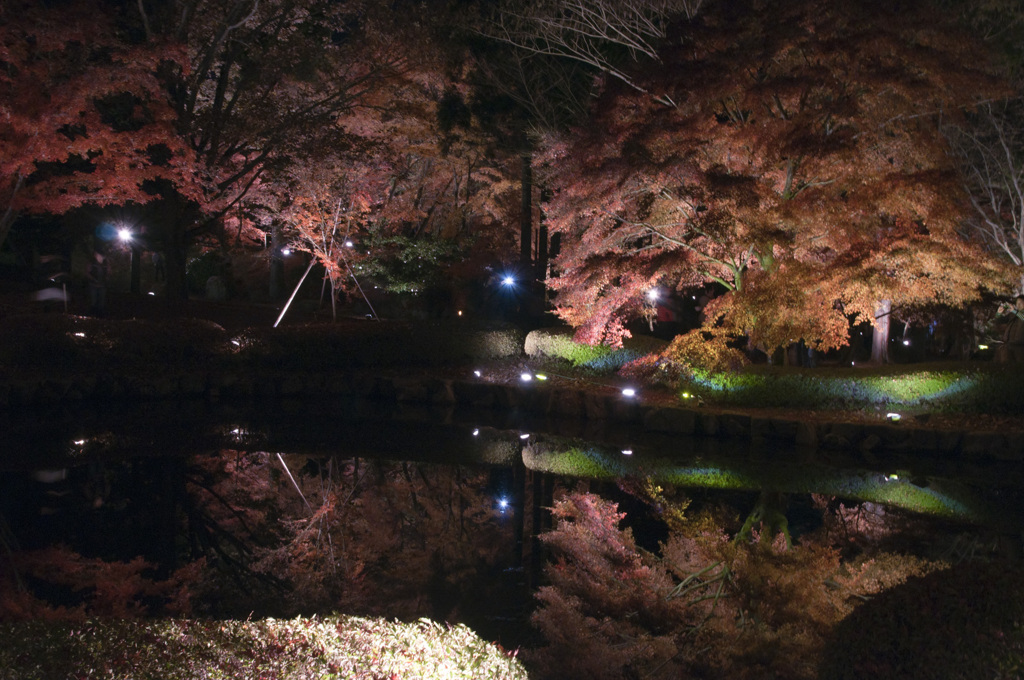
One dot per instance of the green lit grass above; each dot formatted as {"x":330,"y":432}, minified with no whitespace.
{"x":965,"y":388}
{"x":295,"y":649}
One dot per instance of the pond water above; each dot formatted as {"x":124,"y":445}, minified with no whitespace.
{"x":371,"y":508}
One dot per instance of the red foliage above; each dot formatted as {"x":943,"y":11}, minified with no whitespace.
{"x":802,"y":169}
{"x":86,"y":116}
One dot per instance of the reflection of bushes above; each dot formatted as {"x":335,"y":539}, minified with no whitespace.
{"x":705,"y":606}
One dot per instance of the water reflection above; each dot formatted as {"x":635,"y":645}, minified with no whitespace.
{"x":276,"y":510}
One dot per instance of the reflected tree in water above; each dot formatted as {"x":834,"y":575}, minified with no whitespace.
{"x":706,"y":604}
{"x":365,"y":536}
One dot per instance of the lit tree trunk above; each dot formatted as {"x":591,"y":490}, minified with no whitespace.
{"x":276,"y":263}
{"x":880,"y":334}
{"x":542,"y":243}
{"x":526,"y":215}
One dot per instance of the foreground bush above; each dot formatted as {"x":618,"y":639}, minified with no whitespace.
{"x":296,"y":649}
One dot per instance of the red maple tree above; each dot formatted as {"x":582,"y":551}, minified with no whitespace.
{"x":86,"y":115}
{"x":802,"y":169}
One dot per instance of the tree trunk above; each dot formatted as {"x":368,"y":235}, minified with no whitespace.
{"x":526,"y":215}
{"x":175,"y":256}
{"x":542,"y":243}
{"x":276,"y":263}
{"x":880,"y":334}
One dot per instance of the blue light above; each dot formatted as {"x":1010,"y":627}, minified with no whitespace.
{"x":502,"y":503}
{"x":508,"y":281}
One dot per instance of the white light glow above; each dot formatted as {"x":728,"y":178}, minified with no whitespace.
{"x":629,"y":392}
{"x":652,"y":294}
{"x":627,"y":452}
{"x":892,"y":416}
{"x":502,"y":503}
{"x":79,"y":335}
{"x":508,"y":281}
{"x":348,"y":244}
{"x":524,"y":436}
{"x":79,"y":442}
{"x":525,"y":377}
{"x":476,"y":432}
{"x":286,"y":251}
{"x":906,"y":343}
{"x":236,"y":343}
{"x":476,"y":373}
{"x":124,"y":234}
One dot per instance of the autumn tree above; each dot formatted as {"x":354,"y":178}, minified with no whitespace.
{"x":422,"y":196}
{"x":801,"y":169}
{"x":260,"y":80}
{"x":86,"y":116}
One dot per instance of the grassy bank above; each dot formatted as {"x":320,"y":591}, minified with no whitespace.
{"x":948,"y":387}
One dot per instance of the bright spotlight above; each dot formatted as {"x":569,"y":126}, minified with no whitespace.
{"x":348,"y":244}
{"x":627,"y":452}
{"x":124,"y":233}
{"x":652,"y":294}
{"x":629,"y":392}
{"x":286,"y":251}
{"x":525,"y":377}
{"x":508,"y":281}
{"x":525,"y":436}
{"x":502,"y":503}
{"x":892,"y":417}
{"x":906,"y":343}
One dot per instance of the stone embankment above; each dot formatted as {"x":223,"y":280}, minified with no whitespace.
{"x":537,"y":398}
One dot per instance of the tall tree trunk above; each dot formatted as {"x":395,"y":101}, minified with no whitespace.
{"x":880,"y":334}
{"x":542,"y":241}
{"x":276,"y":263}
{"x":526,"y":215}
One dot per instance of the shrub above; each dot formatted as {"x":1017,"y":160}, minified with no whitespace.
{"x":558,"y":343}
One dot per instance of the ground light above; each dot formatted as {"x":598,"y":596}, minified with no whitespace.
{"x":892,"y":417}
{"x":525,"y":377}
{"x":628,"y":392}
